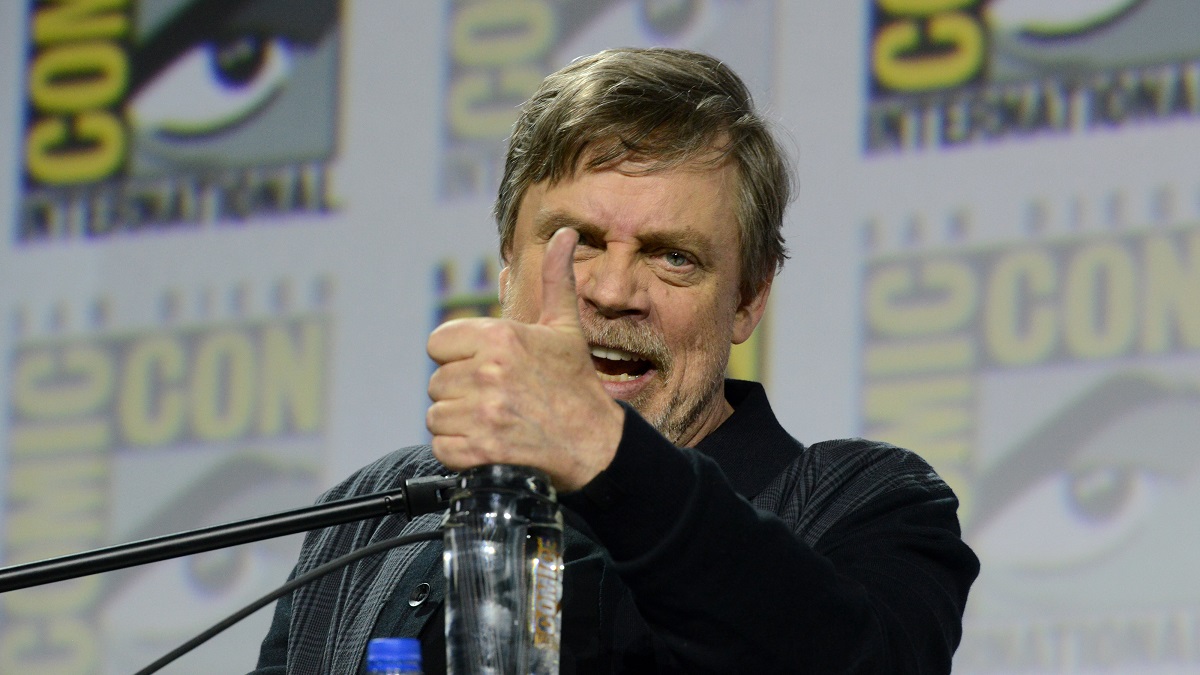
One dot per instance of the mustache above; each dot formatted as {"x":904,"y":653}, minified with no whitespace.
{"x":630,"y":336}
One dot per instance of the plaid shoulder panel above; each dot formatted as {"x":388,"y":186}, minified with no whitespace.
{"x":332,"y":617}
{"x":832,"y":479}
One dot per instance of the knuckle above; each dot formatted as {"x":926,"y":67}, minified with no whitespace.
{"x":499,"y":333}
{"x":451,"y":452}
{"x":494,"y":411}
{"x":492,"y":450}
{"x":440,"y":451}
{"x":490,"y":372}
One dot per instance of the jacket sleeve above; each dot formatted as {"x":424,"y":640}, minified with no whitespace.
{"x":727,"y":587}
{"x":272,"y":655}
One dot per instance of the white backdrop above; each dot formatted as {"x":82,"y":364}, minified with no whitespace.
{"x":232,"y":224}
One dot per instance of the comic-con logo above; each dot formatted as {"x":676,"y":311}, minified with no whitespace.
{"x":1052,"y":381}
{"x":227,"y":412}
{"x":142,"y":114}
{"x":945,"y":73}
{"x":498,"y":51}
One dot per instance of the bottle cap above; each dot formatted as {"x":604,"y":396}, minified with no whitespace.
{"x":393,"y":651}
{"x":507,"y":477}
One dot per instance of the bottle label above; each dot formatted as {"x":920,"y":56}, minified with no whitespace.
{"x":547,"y":592}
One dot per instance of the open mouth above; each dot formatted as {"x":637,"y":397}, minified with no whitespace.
{"x":618,"y":365}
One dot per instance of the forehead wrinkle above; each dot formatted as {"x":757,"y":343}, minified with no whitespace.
{"x":661,"y":223}
{"x":547,"y":222}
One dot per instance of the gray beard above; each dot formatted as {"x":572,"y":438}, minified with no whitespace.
{"x":682,"y":412}
{"x":681,"y":415}
{"x":678,"y":419}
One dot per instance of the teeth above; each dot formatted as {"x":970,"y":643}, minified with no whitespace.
{"x":612,"y":354}
{"x":623,"y":377}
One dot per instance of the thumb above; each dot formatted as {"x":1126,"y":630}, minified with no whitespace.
{"x":560,"y":307}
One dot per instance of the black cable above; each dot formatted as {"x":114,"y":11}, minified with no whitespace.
{"x":288,"y":587}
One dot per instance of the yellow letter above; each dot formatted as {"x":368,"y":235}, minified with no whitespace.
{"x":932,"y":416}
{"x":75,"y":78}
{"x":918,"y":8}
{"x":52,"y":384}
{"x":151,"y":405}
{"x":293,"y":377}
{"x":502,"y":33}
{"x":897,"y":67}
{"x":65,"y":645}
{"x":223,"y":386}
{"x":75,"y":20}
{"x":48,"y":162}
{"x":1099,"y":302}
{"x":481,"y":107}
{"x":1018,"y":329}
{"x":1172,"y":303}
{"x":944,"y":300}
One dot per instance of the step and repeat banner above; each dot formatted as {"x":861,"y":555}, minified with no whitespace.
{"x":228,"y":227}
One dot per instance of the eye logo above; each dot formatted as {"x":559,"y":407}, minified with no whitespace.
{"x":209,"y":112}
{"x":949,"y":74}
{"x":1057,"y":19}
{"x":1075,"y":493}
{"x":214,"y":88}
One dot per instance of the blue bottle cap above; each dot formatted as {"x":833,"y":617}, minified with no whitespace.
{"x":393,"y":652}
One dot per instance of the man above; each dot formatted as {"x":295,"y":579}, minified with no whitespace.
{"x":640,"y":216}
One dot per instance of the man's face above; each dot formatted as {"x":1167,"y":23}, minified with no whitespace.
{"x":656,"y":273}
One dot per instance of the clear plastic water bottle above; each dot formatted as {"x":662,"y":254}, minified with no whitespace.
{"x":503,"y":561}
{"x":394,"y":656}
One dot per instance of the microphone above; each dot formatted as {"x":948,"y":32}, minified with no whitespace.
{"x":416,"y":497}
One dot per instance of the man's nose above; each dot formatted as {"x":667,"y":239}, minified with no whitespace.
{"x":612,"y":285}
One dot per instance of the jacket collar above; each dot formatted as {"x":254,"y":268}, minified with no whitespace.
{"x":750,"y":447}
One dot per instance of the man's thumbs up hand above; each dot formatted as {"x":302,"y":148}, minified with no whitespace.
{"x":514,"y":393}
{"x":560,"y":305}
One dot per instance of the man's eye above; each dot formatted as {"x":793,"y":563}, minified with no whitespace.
{"x":676,"y":259}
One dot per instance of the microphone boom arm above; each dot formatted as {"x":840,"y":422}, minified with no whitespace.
{"x":418,"y":496}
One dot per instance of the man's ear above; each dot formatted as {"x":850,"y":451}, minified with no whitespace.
{"x":503,"y":280}
{"x":750,"y":312}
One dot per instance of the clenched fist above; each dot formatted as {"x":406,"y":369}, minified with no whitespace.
{"x":507,"y":392}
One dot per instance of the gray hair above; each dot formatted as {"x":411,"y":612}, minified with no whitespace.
{"x":663,"y":107}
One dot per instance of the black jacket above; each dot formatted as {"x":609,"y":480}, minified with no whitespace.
{"x":750,"y":553}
